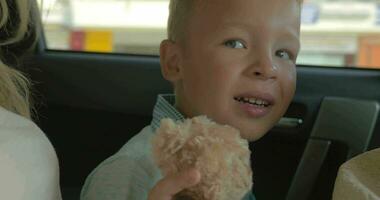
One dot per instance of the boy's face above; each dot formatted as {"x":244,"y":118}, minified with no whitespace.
{"x":237,"y":63}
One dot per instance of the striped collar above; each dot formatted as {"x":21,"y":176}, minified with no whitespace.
{"x":164,"y":108}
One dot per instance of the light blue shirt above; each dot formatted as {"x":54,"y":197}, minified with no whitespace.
{"x":131,"y":173}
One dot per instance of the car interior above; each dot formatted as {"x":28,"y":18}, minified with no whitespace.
{"x":89,"y":104}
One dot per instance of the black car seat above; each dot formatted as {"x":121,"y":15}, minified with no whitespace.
{"x":343,"y":129}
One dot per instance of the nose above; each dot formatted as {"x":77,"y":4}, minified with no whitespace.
{"x":263,"y":67}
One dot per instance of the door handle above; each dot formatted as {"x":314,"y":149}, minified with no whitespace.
{"x":287,"y":122}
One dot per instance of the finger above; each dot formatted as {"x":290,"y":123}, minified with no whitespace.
{"x":167,"y":187}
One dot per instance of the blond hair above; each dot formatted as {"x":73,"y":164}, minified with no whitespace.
{"x":14,"y":86}
{"x":179,"y":13}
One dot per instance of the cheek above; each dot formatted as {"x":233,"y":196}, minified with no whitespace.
{"x":224,"y":76}
{"x":288,"y":84}
{"x":197,"y":79}
{"x":192,"y":83}
{"x":211,"y":71}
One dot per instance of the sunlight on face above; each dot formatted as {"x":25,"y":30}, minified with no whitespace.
{"x":238,"y":63}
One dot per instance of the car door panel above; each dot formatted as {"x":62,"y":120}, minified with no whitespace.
{"x":94,"y":103}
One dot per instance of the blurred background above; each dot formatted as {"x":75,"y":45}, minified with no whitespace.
{"x":343,"y":33}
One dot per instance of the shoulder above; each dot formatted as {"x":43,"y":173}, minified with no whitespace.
{"x":16,"y":127}
{"x":21,"y":137}
{"x":129,"y":174}
{"x":139,"y":145}
{"x":27,"y":158}
{"x":10,"y":119}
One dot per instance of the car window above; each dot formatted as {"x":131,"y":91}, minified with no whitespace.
{"x":333,"y":33}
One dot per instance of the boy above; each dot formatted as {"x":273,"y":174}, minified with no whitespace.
{"x":232,"y":60}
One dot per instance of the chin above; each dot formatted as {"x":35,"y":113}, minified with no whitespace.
{"x":252,"y":136}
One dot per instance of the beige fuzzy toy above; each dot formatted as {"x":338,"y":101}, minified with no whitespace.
{"x":217,"y":151}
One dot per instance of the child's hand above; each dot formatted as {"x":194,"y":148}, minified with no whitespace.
{"x":170,"y":185}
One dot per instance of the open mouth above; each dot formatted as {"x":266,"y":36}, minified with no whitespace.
{"x":253,"y":101}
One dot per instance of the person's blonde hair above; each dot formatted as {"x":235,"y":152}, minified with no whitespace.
{"x":179,"y":13}
{"x":14,"y":86}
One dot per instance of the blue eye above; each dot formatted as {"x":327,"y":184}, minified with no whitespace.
{"x":235,"y":44}
{"x":284,"y":54}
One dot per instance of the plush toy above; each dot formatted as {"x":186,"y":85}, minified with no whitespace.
{"x":217,"y":151}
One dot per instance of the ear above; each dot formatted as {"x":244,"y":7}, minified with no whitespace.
{"x":170,"y":57}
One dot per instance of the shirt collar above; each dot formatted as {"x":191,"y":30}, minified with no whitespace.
{"x":164,"y":109}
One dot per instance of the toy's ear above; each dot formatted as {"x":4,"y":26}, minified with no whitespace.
{"x":170,"y":57}
{"x":166,"y":134}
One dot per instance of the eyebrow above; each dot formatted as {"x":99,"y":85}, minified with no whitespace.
{"x":292,"y":38}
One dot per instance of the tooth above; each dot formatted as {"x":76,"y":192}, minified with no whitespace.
{"x":259,"y":102}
